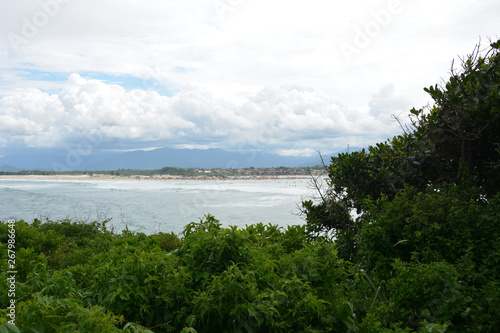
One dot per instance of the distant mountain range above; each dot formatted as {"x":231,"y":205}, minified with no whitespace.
{"x":63,"y":160}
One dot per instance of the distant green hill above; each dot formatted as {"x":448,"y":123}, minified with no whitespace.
{"x":71,"y":160}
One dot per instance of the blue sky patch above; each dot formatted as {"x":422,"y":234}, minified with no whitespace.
{"x":38,"y":75}
{"x":126,"y":81}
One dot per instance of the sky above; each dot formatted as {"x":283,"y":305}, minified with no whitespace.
{"x":288,"y":77}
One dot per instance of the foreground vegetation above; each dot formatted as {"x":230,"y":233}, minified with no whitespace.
{"x":427,"y":229}
{"x":80,"y":277}
{"x":421,"y":254}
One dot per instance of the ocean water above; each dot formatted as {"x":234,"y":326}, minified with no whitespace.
{"x":151,"y":206}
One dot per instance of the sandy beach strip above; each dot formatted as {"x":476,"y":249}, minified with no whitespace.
{"x":141,"y":177}
{"x":47,"y":177}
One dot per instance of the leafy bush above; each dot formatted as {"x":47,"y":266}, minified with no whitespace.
{"x":49,"y":314}
{"x":448,"y":223}
{"x":139,"y":285}
{"x":425,"y":240}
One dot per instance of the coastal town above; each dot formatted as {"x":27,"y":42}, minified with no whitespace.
{"x":177,"y":173}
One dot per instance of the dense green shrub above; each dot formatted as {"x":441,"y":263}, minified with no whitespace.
{"x":260,"y":278}
{"x":449,"y":223}
{"x":425,"y":242}
{"x":144,"y":287}
{"x":48,"y":314}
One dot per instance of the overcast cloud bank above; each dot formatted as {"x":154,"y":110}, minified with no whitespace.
{"x":290,"y":77}
{"x":282,"y":120}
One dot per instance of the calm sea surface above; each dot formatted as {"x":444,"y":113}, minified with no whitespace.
{"x":151,"y":206}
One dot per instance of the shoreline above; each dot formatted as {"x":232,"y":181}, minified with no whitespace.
{"x":139,"y":177}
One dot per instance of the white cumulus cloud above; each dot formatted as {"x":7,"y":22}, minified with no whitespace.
{"x":279,"y":119}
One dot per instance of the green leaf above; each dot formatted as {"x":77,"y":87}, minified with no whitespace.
{"x":37,"y":328}
{"x":7,"y":327}
{"x":190,"y":321}
{"x":435,"y":328}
